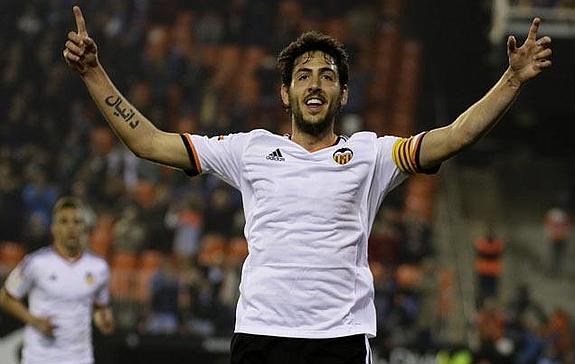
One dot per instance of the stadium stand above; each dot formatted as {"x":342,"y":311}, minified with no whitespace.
{"x":207,"y":67}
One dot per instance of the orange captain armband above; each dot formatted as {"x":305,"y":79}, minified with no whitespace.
{"x":406,"y":155}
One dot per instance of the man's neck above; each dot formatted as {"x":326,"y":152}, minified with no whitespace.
{"x":69,"y":253}
{"x":313,"y":143}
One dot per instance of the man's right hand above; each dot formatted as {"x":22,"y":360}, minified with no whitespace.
{"x":81,"y":52}
{"x":44,"y":325}
{"x":137,"y":132}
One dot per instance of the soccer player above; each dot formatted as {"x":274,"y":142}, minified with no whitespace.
{"x":310,"y":198}
{"x":65,"y":286}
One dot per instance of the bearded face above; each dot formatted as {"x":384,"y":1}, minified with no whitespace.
{"x":315,"y":94}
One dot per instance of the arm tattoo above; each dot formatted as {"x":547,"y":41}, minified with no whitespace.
{"x":126,"y":114}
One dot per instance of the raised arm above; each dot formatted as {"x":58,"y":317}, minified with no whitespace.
{"x":525,"y":63}
{"x":137,"y":132}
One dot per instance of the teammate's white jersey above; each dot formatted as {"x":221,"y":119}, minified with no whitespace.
{"x":65,"y":292}
{"x":308,"y":218}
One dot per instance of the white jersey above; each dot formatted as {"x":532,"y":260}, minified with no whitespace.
{"x":308,"y":218}
{"x":65,"y":292}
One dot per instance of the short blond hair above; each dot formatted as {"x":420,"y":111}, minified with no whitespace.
{"x":67,"y":202}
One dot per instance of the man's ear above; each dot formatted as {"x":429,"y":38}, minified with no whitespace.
{"x":344,"y":95}
{"x":285,"y":96}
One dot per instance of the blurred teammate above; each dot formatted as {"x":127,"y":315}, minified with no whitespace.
{"x":310,"y":198}
{"x":65,"y":285}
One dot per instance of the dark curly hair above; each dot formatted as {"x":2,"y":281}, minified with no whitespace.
{"x":313,"y":41}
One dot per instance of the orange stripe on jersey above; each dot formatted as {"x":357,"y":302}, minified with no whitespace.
{"x":194,"y":152}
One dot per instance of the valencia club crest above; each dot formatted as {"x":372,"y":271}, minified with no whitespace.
{"x":343,"y":156}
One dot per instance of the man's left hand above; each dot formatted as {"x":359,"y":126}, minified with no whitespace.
{"x":529,"y":60}
{"x":104,"y":320}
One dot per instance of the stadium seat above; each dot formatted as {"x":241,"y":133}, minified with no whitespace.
{"x":336,"y":27}
{"x":408,"y":276}
{"x":122,"y":280}
{"x":149,"y":263}
{"x":237,"y":251}
{"x":253,"y":58}
{"x":11,"y":253}
{"x":144,"y":193}
{"x":227,"y":66}
{"x":446,"y":293}
{"x":101,"y":237}
{"x":212,"y":251}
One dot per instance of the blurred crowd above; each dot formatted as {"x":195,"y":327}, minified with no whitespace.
{"x":175,"y":244}
{"x":522,"y":332}
{"x":563,"y":4}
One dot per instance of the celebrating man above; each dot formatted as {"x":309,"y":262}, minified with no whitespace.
{"x":309,"y":198}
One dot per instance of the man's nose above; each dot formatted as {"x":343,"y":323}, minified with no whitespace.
{"x":314,"y":85}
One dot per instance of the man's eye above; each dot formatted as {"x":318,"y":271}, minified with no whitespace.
{"x":302,"y":77}
{"x":328,"y":77}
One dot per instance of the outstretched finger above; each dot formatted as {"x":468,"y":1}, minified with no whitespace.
{"x":80,"y":22}
{"x":544,"y":42}
{"x":534,"y":29}
{"x":511,"y":44}
{"x":544,"y":54}
{"x":544,"y":64}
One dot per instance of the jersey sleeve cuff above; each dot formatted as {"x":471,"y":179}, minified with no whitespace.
{"x":11,"y":294}
{"x":100,"y":305}
{"x":420,"y":169}
{"x":195,"y":166}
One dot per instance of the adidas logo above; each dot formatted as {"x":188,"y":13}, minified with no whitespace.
{"x":276,"y":155}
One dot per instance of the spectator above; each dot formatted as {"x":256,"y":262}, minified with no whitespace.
{"x":495,"y":346}
{"x":559,"y":337}
{"x":129,"y":234}
{"x":36,"y":233}
{"x":488,"y":265}
{"x":11,"y":212}
{"x":39,"y":195}
{"x":186,"y":219}
{"x":427,"y":291}
{"x":558,"y":230}
{"x":219,"y":213}
{"x":163,"y":317}
{"x":416,"y":243}
{"x":523,"y":304}
{"x":384,"y":241}
{"x":530,"y":344}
